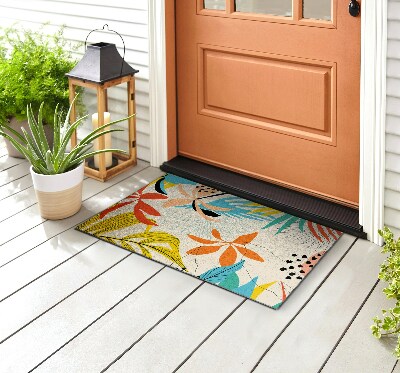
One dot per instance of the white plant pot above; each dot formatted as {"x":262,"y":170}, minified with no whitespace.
{"x":59,"y":196}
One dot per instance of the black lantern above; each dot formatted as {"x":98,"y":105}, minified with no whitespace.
{"x":101,"y":68}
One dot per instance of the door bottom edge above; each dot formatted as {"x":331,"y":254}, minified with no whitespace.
{"x":306,"y":206}
{"x":258,"y":176}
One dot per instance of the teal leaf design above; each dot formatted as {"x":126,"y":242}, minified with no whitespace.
{"x":231,"y":282}
{"x":286,"y":221}
{"x":276,"y":306}
{"x":247,"y":289}
{"x":173,"y":179}
{"x":236,"y":207}
{"x":219,"y":274}
{"x":301,"y":224}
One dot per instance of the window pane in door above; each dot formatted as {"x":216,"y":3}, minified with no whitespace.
{"x":215,"y":4}
{"x":317,"y":9}
{"x":273,"y":7}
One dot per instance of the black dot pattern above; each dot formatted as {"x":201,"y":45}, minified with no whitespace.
{"x":298,"y":272}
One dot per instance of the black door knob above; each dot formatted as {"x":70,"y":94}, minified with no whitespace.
{"x":354,"y":8}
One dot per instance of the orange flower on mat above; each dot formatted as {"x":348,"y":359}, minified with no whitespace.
{"x":229,"y":256}
{"x":140,"y":207}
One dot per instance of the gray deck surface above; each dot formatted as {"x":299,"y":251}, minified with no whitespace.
{"x":71,"y":303}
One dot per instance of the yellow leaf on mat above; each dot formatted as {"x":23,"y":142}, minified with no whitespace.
{"x":261,"y":288}
{"x":113,"y":223}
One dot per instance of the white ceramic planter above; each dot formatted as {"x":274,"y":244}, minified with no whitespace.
{"x":59,"y":196}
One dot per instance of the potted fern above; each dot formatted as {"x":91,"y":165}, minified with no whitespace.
{"x":33,"y":67}
{"x":57,"y":174}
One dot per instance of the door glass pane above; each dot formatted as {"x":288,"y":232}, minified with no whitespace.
{"x":215,"y":4}
{"x":274,"y":7}
{"x":317,"y":9}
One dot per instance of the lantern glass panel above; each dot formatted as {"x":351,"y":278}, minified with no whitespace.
{"x":118,"y":109}
{"x":86,"y":125}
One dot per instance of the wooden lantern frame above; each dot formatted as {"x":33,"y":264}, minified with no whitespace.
{"x":124,"y":161}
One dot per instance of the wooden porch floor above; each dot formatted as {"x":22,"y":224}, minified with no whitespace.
{"x":71,"y":303}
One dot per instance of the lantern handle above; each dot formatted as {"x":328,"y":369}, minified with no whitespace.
{"x":108,"y":29}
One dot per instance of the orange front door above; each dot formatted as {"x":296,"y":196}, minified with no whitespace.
{"x":270,"y":88}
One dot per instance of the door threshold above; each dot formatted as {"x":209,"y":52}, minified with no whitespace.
{"x":320,"y":211}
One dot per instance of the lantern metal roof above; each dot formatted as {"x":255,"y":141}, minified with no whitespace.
{"x":101,"y":63}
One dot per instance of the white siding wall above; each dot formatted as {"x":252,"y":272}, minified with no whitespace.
{"x":128,"y":17}
{"x":392,"y":191}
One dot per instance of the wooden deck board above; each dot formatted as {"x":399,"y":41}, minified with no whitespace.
{"x":56,"y":327}
{"x":18,"y":273}
{"x":15,"y":186}
{"x":309,"y":339}
{"x":13,"y":173}
{"x":17,"y":203}
{"x":71,"y":306}
{"x":122,"y":326}
{"x":359,"y":350}
{"x":48,"y":255}
{"x":176,"y":336}
{"x":9,"y":162}
{"x":46,"y":292}
{"x":259,"y":326}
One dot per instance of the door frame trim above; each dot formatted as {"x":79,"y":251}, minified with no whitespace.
{"x":373,"y":116}
{"x":162,"y":92}
{"x":157,"y":82}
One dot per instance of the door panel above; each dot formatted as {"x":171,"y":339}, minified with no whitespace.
{"x":273,"y":97}
{"x":284,"y":91}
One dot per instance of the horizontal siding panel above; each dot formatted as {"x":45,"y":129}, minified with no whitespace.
{"x":74,"y":21}
{"x":392,"y":199}
{"x":393,"y":11}
{"x":392,"y":176}
{"x":143,"y":127}
{"x":90,"y":11}
{"x":392,"y":181}
{"x":78,"y":35}
{"x":392,"y":144}
{"x":393,"y":125}
{"x":392,"y":162}
{"x":392,"y":217}
{"x":393,"y":50}
{"x":393,"y":68}
{"x":134,"y":4}
{"x":393,"y":87}
{"x":396,"y":231}
{"x":394,"y":29}
{"x":393,"y":106}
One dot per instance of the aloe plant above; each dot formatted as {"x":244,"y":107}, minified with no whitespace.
{"x":55,"y":160}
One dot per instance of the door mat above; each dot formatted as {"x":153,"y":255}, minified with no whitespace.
{"x":252,"y":250}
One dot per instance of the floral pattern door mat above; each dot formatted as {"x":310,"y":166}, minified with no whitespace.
{"x":250,"y":249}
